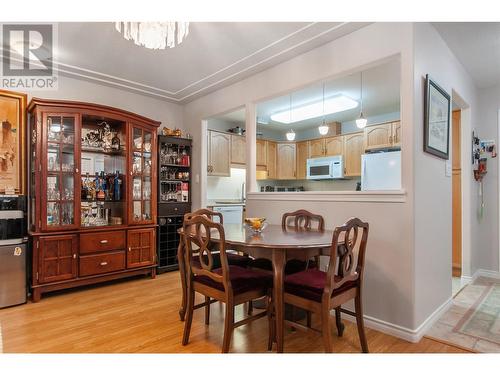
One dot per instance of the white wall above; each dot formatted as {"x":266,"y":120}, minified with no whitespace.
{"x":486,"y":235}
{"x":390,"y":265}
{"x":170,"y":114}
{"x":433,"y":198}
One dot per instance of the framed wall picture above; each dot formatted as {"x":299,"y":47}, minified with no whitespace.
{"x":12,"y":142}
{"x":436,"y":120}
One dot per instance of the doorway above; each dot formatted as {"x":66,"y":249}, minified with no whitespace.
{"x":456,"y":201}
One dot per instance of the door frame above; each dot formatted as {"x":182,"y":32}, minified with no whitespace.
{"x":498,"y":198}
{"x":466,"y":185}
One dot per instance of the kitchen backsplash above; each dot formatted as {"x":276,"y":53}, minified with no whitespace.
{"x":226,"y":187}
{"x":311,"y":185}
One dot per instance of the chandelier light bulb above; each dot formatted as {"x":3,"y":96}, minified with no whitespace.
{"x":154,"y":35}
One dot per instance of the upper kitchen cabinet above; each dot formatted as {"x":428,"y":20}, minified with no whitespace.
{"x":383,"y":135}
{"x":334,"y":146}
{"x":302,"y":156}
{"x":271,"y":152}
{"x":219,"y":151}
{"x":396,"y":133}
{"x":353,"y":149}
{"x":238,"y":150}
{"x":261,"y":152}
{"x":286,"y":163}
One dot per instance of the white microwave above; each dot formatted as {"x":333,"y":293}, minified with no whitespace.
{"x":329,"y":167}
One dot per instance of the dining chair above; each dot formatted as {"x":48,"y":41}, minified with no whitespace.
{"x":297,"y":220}
{"x":232,"y":258}
{"x":229,"y":284}
{"x":320,"y":292}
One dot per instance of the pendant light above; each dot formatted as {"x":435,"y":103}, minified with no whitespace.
{"x":361,"y":121}
{"x":323,"y":128}
{"x":291,"y":134}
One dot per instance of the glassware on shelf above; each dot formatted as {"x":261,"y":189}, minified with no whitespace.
{"x":115,"y":142}
{"x":117,"y":182}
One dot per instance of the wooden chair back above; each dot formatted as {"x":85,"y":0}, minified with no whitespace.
{"x":198,"y":230}
{"x":349,"y":243}
{"x":302,"y":219}
{"x":206,"y":212}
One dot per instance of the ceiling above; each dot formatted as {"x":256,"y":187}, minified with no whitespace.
{"x":477,"y":46}
{"x":214,"y":54}
{"x":381,"y":95}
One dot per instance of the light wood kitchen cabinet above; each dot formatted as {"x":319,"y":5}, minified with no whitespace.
{"x":271,"y":152}
{"x":334,"y":146}
{"x":317,"y":148}
{"x":219,"y":153}
{"x":378,"y":136}
{"x":238,"y":149}
{"x":286,"y":161}
{"x":383,"y":135}
{"x":326,"y":146}
{"x":396,"y":133}
{"x":302,"y":156}
{"x":353,"y":149}
{"x":261,"y":152}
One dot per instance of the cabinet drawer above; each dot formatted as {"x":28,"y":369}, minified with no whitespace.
{"x":173,"y":209}
{"x":106,"y":241}
{"x":102,"y":263}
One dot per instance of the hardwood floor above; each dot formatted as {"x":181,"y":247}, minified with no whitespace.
{"x":141,"y":315}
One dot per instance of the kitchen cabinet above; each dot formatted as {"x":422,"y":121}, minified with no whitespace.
{"x":261,"y":152}
{"x":219,"y":153}
{"x":302,"y":156}
{"x":238,"y":149}
{"x":378,"y":136}
{"x":271,"y":159}
{"x":353,"y":149}
{"x":396,"y":133}
{"x":317,"y":148}
{"x":326,"y":146}
{"x":334,"y":145}
{"x":286,"y":161}
{"x":383,"y":135}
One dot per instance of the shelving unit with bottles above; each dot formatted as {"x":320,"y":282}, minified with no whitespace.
{"x":93,"y":180}
{"x":174,"y":186}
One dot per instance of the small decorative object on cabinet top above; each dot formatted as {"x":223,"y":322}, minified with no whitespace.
{"x":171,"y":132}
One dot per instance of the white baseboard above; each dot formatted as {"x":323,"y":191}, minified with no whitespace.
{"x":411,"y":335}
{"x":486,"y":273}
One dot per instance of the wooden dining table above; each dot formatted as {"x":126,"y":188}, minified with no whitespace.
{"x":276,"y":243}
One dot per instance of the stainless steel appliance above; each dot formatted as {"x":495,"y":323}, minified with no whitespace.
{"x":329,"y":167}
{"x":13,"y":240}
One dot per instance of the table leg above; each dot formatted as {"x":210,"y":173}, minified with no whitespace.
{"x":279,"y":304}
{"x":182,"y":271}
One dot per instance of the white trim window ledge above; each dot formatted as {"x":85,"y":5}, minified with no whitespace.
{"x":389,"y":196}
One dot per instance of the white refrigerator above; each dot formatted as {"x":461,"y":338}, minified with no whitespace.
{"x":381,"y":171}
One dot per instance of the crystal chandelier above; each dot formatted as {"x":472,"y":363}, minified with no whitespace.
{"x":154,"y":35}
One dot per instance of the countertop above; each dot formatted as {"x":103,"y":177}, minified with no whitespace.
{"x":225,"y":202}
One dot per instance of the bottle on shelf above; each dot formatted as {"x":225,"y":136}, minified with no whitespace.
{"x":117,"y":182}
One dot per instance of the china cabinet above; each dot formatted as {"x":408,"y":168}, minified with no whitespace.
{"x":93,"y":193}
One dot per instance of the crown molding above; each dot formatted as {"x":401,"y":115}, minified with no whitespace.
{"x":265,"y":57}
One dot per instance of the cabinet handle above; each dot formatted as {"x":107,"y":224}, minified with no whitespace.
{"x":74,"y":256}
{"x":129,"y":249}
{"x":104,"y":263}
{"x":104,"y":241}
{"x":76,"y":170}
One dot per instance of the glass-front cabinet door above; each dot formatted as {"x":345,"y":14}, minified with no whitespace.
{"x":141,"y":172}
{"x":59,"y":171}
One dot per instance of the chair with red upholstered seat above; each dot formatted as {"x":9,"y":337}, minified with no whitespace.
{"x":230,"y":284}
{"x":233,"y":259}
{"x":320,"y":292}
